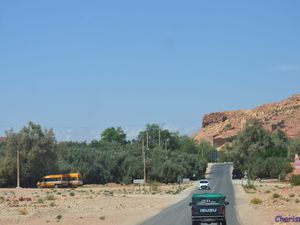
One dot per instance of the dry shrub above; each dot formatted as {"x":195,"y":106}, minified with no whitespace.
{"x":23,"y":211}
{"x":275,"y":195}
{"x":255,"y":201}
{"x":50,"y":197}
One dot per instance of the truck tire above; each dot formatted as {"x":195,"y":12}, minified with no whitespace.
{"x":224,"y":222}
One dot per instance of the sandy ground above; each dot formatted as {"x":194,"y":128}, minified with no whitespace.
{"x":111,"y":204}
{"x":286,"y":204}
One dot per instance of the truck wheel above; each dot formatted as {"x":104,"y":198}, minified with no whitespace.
{"x":224,"y":222}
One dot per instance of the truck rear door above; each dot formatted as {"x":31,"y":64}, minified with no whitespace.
{"x":208,"y":210}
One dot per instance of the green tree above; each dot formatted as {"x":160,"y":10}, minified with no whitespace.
{"x":113,"y":134}
{"x":131,"y":166}
{"x":188,"y":145}
{"x":110,"y":159}
{"x":100,"y":164}
{"x":37,"y":149}
{"x":204,"y":149}
{"x":294,"y":148}
{"x":2,"y":149}
{"x":261,"y":153}
{"x":168,"y":140}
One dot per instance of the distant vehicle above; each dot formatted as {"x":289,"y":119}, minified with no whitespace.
{"x":203,"y":184}
{"x":53,"y":181}
{"x":60,"y":181}
{"x":237,"y":174}
{"x":208,"y":208}
{"x":75,"y":179}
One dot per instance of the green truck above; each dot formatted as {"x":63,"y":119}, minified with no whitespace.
{"x":208,"y":208}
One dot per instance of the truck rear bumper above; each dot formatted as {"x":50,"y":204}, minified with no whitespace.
{"x":208,"y":219}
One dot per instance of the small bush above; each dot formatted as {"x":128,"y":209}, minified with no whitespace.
{"x":50,"y":197}
{"x":154,"y":186}
{"x":292,"y":195}
{"x":72,"y":194}
{"x":255,"y":201}
{"x":52,"y":204}
{"x":58,"y":217}
{"x":102,"y":218}
{"x":40,"y":200}
{"x":295,"y":180}
{"x":227,"y":127}
{"x":275,"y":195}
{"x":297,"y":200}
{"x":23,"y":211}
{"x":250,"y":185}
{"x":267,"y":191}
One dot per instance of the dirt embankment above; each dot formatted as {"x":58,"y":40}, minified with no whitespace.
{"x":269,"y":203}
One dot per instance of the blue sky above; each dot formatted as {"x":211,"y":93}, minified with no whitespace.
{"x":82,"y":66}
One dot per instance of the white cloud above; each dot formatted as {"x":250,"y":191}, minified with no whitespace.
{"x":285,"y":67}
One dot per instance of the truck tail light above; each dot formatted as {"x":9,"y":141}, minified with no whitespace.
{"x":194,"y":210}
{"x":222,"y":209}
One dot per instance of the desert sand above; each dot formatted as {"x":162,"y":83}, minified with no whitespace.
{"x":110,"y":204}
{"x":277,"y":199}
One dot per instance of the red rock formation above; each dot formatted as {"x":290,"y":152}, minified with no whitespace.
{"x":219,"y":127}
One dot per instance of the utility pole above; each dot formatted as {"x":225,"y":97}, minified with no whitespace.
{"x":159,"y":136}
{"x":144,"y":159}
{"x":18,"y":169}
{"x":147,"y":140}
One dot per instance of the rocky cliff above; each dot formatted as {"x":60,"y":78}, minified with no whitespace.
{"x":220,"y":127}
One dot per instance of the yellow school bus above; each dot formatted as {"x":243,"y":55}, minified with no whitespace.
{"x":60,"y":181}
{"x":54,"y":181}
{"x":75,"y":179}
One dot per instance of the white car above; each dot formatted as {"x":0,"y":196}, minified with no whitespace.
{"x":203,"y":184}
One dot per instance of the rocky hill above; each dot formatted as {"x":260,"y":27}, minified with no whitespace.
{"x":220,"y":127}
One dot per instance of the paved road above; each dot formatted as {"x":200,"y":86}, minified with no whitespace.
{"x":179,"y":214}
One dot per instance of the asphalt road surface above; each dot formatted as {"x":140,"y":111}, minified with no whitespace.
{"x":180,"y":213}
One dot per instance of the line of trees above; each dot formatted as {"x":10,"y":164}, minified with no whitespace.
{"x":112,"y":158}
{"x":261,"y":153}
